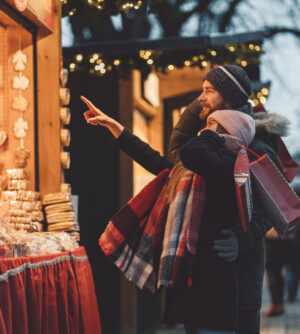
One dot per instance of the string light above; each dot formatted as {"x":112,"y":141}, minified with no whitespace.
{"x":99,"y":67}
{"x":146,"y":61}
{"x":79,"y":57}
{"x":110,"y":7}
{"x":260,"y":96}
{"x":265,"y":91}
{"x":263,"y":100}
{"x":72,"y":67}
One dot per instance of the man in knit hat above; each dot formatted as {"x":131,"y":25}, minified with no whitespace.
{"x":232,"y":82}
{"x":224,"y":87}
{"x":229,"y":87}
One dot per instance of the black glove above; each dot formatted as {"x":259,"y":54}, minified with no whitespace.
{"x":228,"y":248}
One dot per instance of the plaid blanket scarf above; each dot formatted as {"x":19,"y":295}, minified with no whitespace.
{"x":153,"y":242}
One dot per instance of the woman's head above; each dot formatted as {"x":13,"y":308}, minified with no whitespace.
{"x":233,"y":122}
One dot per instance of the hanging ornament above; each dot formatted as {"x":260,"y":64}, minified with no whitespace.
{"x":21,"y":128}
{"x":64,"y":76}
{"x":20,"y":103}
{"x":19,"y":59}
{"x":22,"y":156}
{"x":3,"y":137}
{"x":21,"y":4}
{"x":20,"y":82}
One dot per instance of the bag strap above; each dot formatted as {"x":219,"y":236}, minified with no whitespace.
{"x":249,"y":150}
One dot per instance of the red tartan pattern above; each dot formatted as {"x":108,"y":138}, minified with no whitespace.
{"x":151,"y":241}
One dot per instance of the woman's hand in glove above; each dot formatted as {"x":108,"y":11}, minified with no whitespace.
{"x":227,"y":249}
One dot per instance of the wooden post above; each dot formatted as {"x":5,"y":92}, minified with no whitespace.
{"x":128,"y":291}
{"x":48,"y":68}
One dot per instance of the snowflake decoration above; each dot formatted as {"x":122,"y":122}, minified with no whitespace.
{"x":20,"y":103}
{"x":21,"y":128}
{"x":19,"y":59}
{"x":20,"y":82}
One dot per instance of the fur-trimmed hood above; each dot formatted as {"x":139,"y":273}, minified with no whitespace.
{"x":272,"y":123}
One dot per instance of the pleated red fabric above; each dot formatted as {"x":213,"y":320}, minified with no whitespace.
{"x":52,"y":294}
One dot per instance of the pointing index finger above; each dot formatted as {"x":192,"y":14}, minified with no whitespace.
{"x":87,"y":102}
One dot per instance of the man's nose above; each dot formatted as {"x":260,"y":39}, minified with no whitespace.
{"x":202,"y":97}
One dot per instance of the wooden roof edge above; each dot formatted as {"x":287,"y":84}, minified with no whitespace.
{"x":119,"y":47}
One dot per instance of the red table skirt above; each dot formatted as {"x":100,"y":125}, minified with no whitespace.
{"x":48,"y":294}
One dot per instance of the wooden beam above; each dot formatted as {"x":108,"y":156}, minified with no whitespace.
{"x":120,"y":47}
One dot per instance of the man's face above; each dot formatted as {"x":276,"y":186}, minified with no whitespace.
{"x":210,"y":100}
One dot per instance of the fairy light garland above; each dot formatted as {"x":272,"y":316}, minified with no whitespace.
{"x":146,"y":61}
{"x":260,"y":96}
{"x":240,"y":54}
{"x":111,"y":7}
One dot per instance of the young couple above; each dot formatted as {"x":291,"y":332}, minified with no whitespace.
{"x":227,"y":275}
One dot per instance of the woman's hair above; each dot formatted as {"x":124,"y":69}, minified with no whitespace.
{"x":179,"y":170}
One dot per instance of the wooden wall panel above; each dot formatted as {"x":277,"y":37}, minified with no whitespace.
{"x":181,"y":81}
{"x":13,"y":38}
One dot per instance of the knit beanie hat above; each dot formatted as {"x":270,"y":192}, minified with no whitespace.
{"x":236,"y":123}
{"x":232,"y":82}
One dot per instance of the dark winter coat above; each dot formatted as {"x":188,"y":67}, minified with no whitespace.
{"x":251,"y":260}
{"x":212,"y":301}
{"x":214,"y":292}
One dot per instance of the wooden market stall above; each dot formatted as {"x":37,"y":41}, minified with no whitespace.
{"x":52,"y":291}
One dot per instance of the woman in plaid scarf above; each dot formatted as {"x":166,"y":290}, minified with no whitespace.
{"x":210,"y":304}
